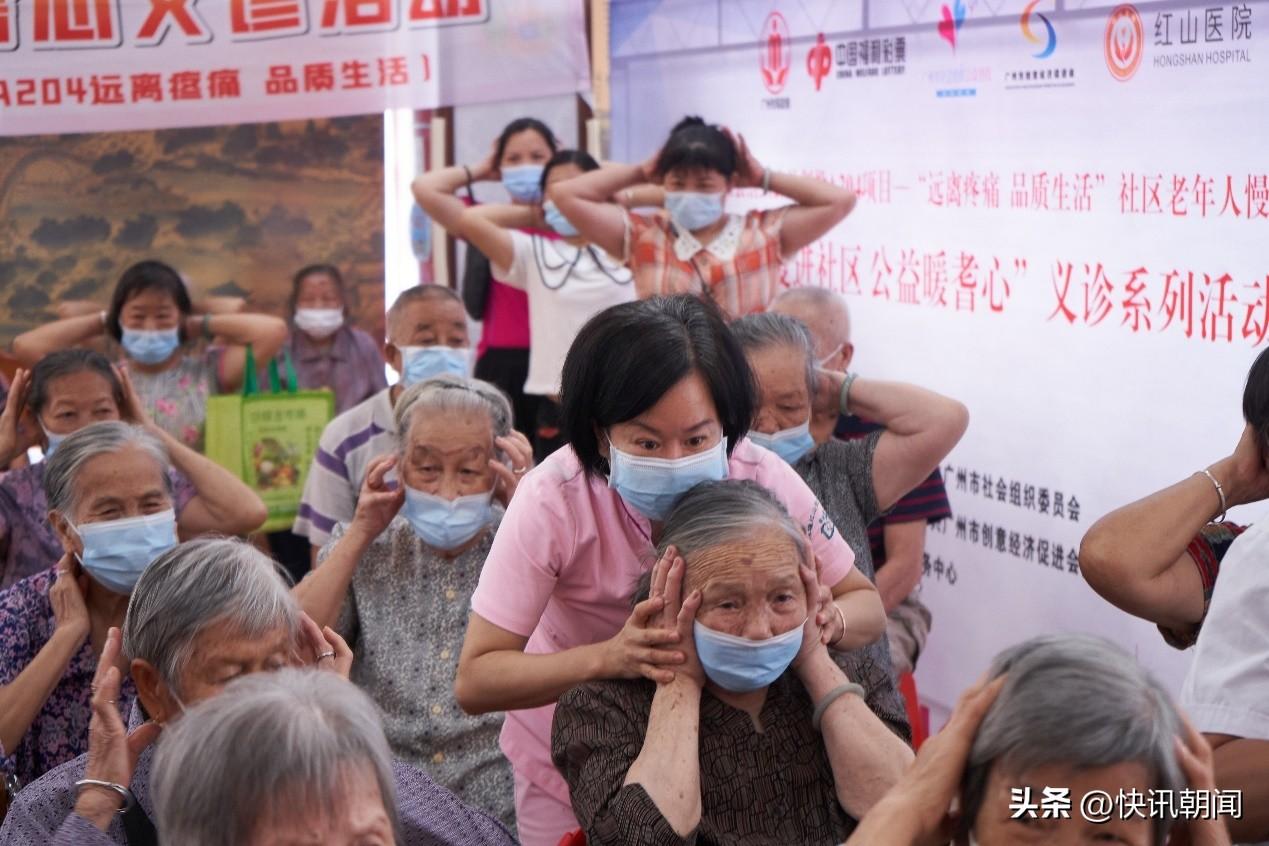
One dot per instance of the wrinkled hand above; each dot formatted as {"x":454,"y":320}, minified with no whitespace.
{"x":1197,"y":762}
{"x":16,"y":431}
{"x":677,"y":614}
{"x":488,"y":168}
{"x":749,"y":172}
{"x":828,"y":391}
{"x":70,"y":613}
{"x":634,"y":651}
{"x":322,"y":648}
{"x":822,"y":622}
{"x":520,"y":453}
{"x":133,"y":409}
{"x":1245,"y":473}
{"x":377,"y":503}
{"x":112,"y":752}
{"x":917,"y":810}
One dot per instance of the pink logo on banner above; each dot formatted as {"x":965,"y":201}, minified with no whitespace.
{"x":1125,"y":42}
{"x":953,"y":17}
{"x":819,"y":61}
{"x":775,"y":53}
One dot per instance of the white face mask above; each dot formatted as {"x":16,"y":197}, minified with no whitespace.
{"x":319,"y":322}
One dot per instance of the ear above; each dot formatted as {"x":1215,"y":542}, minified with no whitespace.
{"x":154,"y":693}
{"x":848,"y":353}
{"x":601,"y":440}
{"x":72,"y":544}
{"x":393,"y":356}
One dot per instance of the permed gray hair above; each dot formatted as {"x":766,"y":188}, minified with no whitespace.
{"x":714,"y":513}
{"x":104,"y":438}
{"x":1073,"y":700}
{"x":759,"y":331}
{"x":448,"y":394}
{"x":195,"y":585}
{"x":273,"y":747}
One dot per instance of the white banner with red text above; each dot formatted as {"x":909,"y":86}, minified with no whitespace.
{"x":110,"y":65}
{"x":1063,"y":221}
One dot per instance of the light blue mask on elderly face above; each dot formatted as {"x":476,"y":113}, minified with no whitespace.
{"x":739,"y":664}
{"x":116,"y":552}
{"x":790,"y":444}
{"x":447,"y":524}
{"x":422,"y":363}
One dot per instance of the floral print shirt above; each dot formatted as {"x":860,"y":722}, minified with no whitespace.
{"x":60,"y":731}
{"x":176,"y":398}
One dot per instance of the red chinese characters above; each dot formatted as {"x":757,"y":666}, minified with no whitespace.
{"x":8,"y":25}
{"x":61,"y":24}
{"x":339,"y":16}
{"x":442,"y":12}
{"x":251,"y":19}
{"x":166,"y":15}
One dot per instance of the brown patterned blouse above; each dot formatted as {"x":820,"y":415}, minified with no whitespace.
{"x":757,"y":788}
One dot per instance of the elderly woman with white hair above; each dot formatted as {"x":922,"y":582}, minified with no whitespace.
{"x":111,"y":504}
{"x":760,"y":737}
{"x":1058,"y":719}
{"x":202,"y":615}
{"x":317,"y":768}
{"x":398,"y":586}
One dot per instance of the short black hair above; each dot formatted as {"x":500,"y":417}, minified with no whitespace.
{"x":1256,"y":397}
{"x":148,"y":275}
{"x":628,"y":356}
{"x":312,"y":270}
{"x":697,"y":145}
{"x":524,"y":124}
{"x":581,"y":158}
{"x":55,"y":365}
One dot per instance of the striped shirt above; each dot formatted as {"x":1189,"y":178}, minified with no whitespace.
{"x":1206,"y":550}
{"x":348,"y":445}
{"x":927,"y":501}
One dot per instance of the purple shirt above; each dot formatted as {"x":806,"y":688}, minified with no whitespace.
{"x":60,"y":730}
{"x":352,"y":366}
{"x":429,"y":814}
{"x":28,"y":543}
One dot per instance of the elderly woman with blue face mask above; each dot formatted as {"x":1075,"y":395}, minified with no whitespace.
{"x":167,"y":347}
{"x":397,"y":581}
{"x":760,"y":737}
{"x":110,"y":501}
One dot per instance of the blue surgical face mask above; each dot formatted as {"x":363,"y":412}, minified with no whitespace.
{"x":651,"y":485}
{"x":557,"y":221}
{"x":54,"y":441}
{"x":789,"y":444}
{"x":151,"y":346}
{"x":692,"y":211}
{"x":523,"y":182}
{"x":422,"y":363}
{"x":117,"y":552}
{"x":447,"y":523}
{"x":739,"y":664}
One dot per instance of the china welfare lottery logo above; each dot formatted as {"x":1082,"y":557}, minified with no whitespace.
{"x":819,"y":61}
{"x":1125,"y":42}
{"x":775,"y":56}
{"x":953,"y":17}
{"x":1051,"y":43}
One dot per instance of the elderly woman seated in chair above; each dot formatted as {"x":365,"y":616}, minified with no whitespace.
{"x":760,"y":737}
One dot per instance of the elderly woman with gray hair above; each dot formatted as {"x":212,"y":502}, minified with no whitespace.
{"x":111,"y":505}
{"x":202,"y":615}
{"x":857,"y":481}
{"x":317,"y":768}
{"x":760,"y":737}
{"x":1057,"y":720}
{"x":397,"y":581}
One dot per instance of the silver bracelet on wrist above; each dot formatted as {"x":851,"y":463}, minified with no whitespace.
{"x":766,"y":180}
{"x":1220,"y":491}
{"x":831,"y":697}
{"x":124,"y":793}
{"x":843,"y":404}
